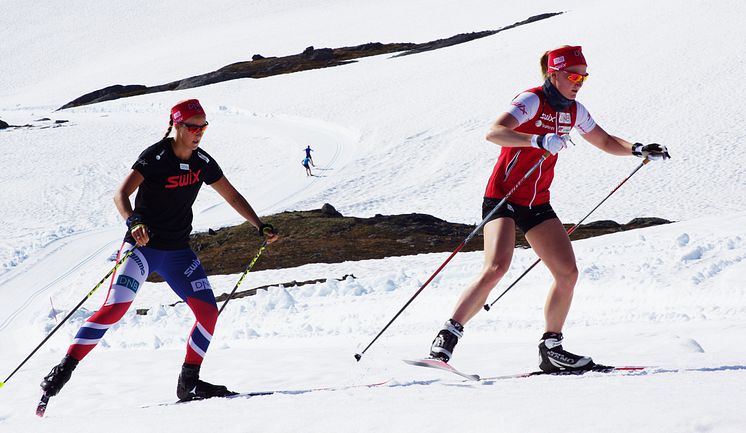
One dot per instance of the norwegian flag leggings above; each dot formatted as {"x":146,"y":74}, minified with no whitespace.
{"x":182,"y":271}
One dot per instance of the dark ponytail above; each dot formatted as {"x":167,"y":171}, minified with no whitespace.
{"x":168,"y":131}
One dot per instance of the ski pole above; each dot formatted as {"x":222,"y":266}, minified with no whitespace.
{"x":246,"y":271}
{"x":544,"y":156}
{"x":569,"y":232}
{"x":114,"y":269}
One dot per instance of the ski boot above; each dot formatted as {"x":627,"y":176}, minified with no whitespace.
{"x":445,"y":341}
{"x":58,"y":377}
{"x":191,"y":388}
{"x":555,"y":359}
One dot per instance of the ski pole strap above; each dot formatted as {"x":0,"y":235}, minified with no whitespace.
{"x":266,"y":229}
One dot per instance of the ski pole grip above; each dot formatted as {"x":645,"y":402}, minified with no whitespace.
{"x":265,"y":229}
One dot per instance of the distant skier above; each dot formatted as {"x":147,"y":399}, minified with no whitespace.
{"x":167,"y":176}
{"x":308,"y":155}
{"x":306,"y":161}
{"x":537,"y":121}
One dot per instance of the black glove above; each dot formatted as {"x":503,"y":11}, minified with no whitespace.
{"x":134,"y":220}
{"x":652,"y":151}
{"x":266,"y":229}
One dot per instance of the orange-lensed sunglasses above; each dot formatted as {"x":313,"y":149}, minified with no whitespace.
{"x":192,"y":128}
{"x":575,"y":77}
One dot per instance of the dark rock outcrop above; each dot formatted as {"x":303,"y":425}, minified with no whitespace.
{"x":310,"y":58}
{"x":326,"y":236}
{"x":330,"y":211}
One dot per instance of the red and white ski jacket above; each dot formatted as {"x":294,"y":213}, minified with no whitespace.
{"x":535,"y":116}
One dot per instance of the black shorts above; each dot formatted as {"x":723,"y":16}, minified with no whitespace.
{"x":525,"y":217}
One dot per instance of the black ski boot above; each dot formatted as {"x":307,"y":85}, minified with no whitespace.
{"x":191,"y":388}
{"x":554,"y":358}
{"x":445,"y":341}
{"x":58,"y":377}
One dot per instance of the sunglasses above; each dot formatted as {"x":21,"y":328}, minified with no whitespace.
{"x":575,"y":77}
{"x":192,"y":128}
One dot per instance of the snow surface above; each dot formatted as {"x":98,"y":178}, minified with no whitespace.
{"x":393,"y":135}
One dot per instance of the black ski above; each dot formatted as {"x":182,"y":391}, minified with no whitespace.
{"x":597,"y":368}
{"x":273,"y":392}
{"x":42,"y":406}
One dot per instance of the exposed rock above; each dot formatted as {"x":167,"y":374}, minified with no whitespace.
{"x":3,"y":125}
{"x":603,"y":224}
{"x":368,"y":47}
{"x":107,"y":93}
{"x":321,"y":54}
{"x":646,"y":222}
{"x":310,"y":58}
{"x":330,"y":211}
{"x":315,"y":237}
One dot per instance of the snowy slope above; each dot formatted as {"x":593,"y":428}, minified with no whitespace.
{"x":395,"y":135}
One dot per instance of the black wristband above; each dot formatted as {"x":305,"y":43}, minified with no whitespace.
{"x":134,"y":219}
{"x":265,"y":228}
{"x":540,"y":141}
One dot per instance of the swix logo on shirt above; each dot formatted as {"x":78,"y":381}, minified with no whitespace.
{"x":547,"y":117}
{"x":514,"y":162}
{"x":168,"y":191}
{"x":183,"y":179}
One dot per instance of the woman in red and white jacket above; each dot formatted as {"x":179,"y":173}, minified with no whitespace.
{"x":538,"y":121}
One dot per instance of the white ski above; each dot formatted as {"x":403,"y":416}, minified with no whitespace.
{"x":440,"y":365}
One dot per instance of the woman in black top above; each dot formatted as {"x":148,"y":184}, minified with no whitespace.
{"x":167,"y":177}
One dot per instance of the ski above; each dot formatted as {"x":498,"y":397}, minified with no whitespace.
{"x":42,"y":406}
{"x":595,"y":369}
{"x":277,"y":392}
{"x":440,"y":365}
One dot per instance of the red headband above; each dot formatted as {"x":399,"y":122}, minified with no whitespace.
{"x":185,"y":110}
{"x":562,"y":58}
